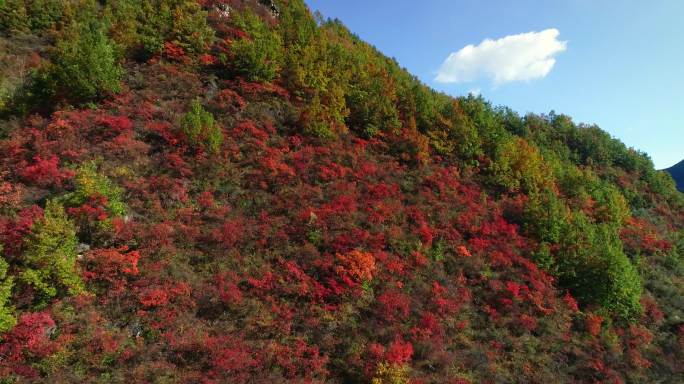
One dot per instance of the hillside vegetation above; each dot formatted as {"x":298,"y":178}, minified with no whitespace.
{"x":239,"y":191}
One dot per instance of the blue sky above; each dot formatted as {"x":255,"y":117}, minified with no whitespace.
{"x":615,"y":63}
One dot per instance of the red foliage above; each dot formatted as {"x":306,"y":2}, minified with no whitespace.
{"x":651,"y":310}
{"x":155,"y":297}
{"x":228,"y":290}
{"x":45,"y":172}
{"x":593,"y":324}
{"x":638,"y":361}
{"x":399,"y":352}
{"x":206,"y":200}
{"x":278,"y":233}
{"x":14,"y":231}
{"x":528,"y":322}
{"x":10,"y":194}
{"x":229,"y":101}
{"x":164,"y":130}
{"x":173,"y":51}
{"x":264,"y":284}
{"x":29,"y":339}
{"x":161,"y":235}
{"x":249,"y":129}
{"x":638,"y":235}
{"x":300,"y":360}
{"x":95,"y":209}
{"x":230,"y":233}
{"x":394,"y":306}
{"x":229,"y":358}
{"x":429,"y":326}
{"x":515,"y":289}
{"x":639,"y":336}
{"x":570,"y":302}
{"x":275,"y":168}
{"x":208,"y":60}
{"x":257,"y":90}
{"x":175,"y":162}
{"x":112,"y":265}
{"x":419,"y":259}
{"x":117,"y":124}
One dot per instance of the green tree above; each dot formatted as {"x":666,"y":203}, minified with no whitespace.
{"x":259,"y":56}
{"x":84,"y":67}
{"x":612,"y":206}
{"x":487,"y":121}
{"x":592,"y":264}
{"x":7,"y":319}
{"x":200,"y":128}
{"x":519,"y":167}
{"x":13,"y":16}
{"x":545,"y":216}
{"x":141,"y":27}
{"x":50,"y":257}
{"x":454,"y":135}
{"x":314,"y":70}
{"x":44,"y":14}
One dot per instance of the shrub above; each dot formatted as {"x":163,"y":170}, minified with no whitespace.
{"x":200,"y":128}
{"x":13,"y":16}
{"x":454,"y":135}
{"x":142,"y":27}
{"x":17,"y":16}
{"x":110,"y":267}
{"x":391,"y":374}
{"x":29,"y":341}
{"x":315,"y":72}
{"x":545,"y":216}
{"x":84,"y":68}
{"x":50,"y":256}
{"x":356,"y":265}
{"x":90,"y":183}
{"x":519,"y":167}
{"x":372,"y":102}
{"x":44,"y":14}
{"x":394,"y":306}
{"x":7,"y":320}
{"x":592,"y":264}
{"x":45,"y":172}
{"x":257,"y":57}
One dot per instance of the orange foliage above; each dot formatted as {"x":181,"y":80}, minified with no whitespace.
{"x":357,"y":265}
{"x":463,"y":251}
{"x":593,"y":324}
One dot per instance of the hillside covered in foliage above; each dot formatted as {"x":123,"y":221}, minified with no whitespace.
{"x":238,"y":191}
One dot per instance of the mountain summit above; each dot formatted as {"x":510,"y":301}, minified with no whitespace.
{"x":677,"y":172}
{"x":236,"y":191}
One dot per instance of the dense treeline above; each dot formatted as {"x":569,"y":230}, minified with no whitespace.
{"x":241,"y":191}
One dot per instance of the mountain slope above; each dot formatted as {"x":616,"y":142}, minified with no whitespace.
{"x":677,"y":173}
{"x":235,"y":191}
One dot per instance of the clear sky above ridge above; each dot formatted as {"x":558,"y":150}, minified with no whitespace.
{"x":616,"y":63}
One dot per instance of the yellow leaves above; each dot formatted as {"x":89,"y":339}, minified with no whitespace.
{"x":391,"y":374}
{"x":519,"y":167}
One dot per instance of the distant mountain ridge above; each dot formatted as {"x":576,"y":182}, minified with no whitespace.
{"x":677,"y":172}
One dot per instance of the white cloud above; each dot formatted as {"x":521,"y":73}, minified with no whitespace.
{"x":525,"y":56}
